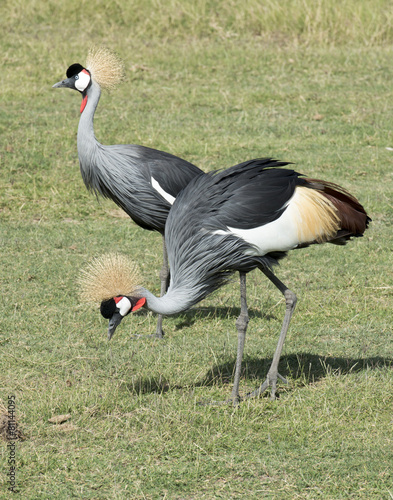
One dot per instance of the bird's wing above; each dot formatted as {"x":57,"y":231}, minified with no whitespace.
{"x":272,"y":209}
{"x":202,"y":251}
{"x":249,"y":216}
{"x":170,"y":173}
{"x":142,"y":181}
{"x":247,"y":195}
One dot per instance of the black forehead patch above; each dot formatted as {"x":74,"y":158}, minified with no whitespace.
{"x":74,"y":69}
{"x":108,"y":308}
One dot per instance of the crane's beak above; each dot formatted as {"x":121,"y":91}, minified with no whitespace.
{"x":67,"y":83}
{"x":114,"y":322}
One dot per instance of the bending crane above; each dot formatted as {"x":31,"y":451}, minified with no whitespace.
{"x":249,"y":217}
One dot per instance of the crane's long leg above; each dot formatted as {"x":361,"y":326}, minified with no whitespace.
{"x":290,"y":301}
{"x":241,"y":324}
{"x":164,"y":275}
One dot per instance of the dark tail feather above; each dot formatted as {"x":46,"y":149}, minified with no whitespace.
{"x":353,"y":217}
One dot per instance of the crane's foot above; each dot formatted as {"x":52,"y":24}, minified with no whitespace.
{"x":271,"y":381}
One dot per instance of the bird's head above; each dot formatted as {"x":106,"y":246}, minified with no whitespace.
{"x":102,"y":66}
{"x":116,"y":308}
{"x":111,"y":282}
{"x":78,"y":78}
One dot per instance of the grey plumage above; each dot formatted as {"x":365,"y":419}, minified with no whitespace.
{"x":192,"y":231}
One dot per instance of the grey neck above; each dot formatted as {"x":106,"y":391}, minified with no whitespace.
{"x":86,"y":135}
{"x":173,"y":302}
{"x":88,"y":146}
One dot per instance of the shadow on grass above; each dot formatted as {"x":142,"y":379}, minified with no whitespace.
{"x":188,"y":318}
{"x":304,"y":367}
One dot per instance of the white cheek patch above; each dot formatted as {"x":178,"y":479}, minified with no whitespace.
{"x":168,"y":197}
{"x":83,"y":81}
{"x":124,"y":306}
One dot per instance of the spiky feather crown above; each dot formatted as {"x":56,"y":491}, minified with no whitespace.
{"x":106,"y":68}
{"x":108,"y":276}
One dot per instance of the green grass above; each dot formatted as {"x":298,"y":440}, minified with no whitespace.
{"x":308,"y":82}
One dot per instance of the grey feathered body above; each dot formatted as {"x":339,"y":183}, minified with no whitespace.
{"x":201,"y":260}
{"x":203,"y":253}
{"x":124,"y":172}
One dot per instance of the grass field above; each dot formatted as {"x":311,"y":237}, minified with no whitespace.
{"x":215,"y":83}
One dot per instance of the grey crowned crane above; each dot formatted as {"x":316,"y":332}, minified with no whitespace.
{"x":248,"y":216}
{"x":144,"y":182}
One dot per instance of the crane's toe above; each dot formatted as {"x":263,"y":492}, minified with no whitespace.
{"x":271,"y":381}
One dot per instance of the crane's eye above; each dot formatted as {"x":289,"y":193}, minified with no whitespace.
{"x":76,"y":77}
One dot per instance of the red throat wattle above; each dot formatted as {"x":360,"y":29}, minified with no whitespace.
{"x":140,"y":303}
{"x":84,"y":102}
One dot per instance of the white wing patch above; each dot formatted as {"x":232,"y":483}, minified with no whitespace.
{"x":279,"y":235}
{"x":308,"y":217}
{"x":168,"y":197}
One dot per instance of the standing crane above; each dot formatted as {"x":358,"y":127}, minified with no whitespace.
{"x":144,"y":182}
{"x":248,"y":216}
